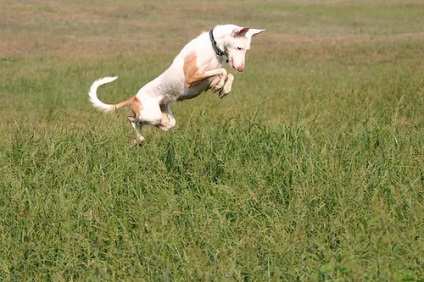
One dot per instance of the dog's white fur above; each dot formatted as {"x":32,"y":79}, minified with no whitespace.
{"x":195,"y":69}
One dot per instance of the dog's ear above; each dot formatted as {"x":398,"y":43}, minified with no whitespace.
{"x":239,"y":31}
{"x":253,"y":32}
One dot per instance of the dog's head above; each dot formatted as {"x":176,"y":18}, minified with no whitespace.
{"x":237,"y":43}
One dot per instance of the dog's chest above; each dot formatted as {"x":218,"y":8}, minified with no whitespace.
{"x":211,"y":64}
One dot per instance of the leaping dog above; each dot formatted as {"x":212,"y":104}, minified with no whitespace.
{"x":197,"y":68}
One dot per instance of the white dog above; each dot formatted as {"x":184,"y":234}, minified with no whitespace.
{"x":197,"y":68}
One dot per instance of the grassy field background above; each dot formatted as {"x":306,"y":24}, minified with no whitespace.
{"x":311,"y":169}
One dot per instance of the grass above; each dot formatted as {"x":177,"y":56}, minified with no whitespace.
{"x":311,"y":169}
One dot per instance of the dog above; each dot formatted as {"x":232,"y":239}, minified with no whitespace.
{"x":197,"y":68}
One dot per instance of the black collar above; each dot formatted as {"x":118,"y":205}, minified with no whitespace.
{"x":218,"y":51}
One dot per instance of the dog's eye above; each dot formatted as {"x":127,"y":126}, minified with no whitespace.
{"x":239,"y":48}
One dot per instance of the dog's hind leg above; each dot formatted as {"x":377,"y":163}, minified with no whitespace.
{"x":168,"y":121}
{"x":146,"y":111}
{"x":135,"y":121}
{"x":136,"y":125}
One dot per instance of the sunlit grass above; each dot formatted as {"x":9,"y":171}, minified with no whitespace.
{"x":311,"y":169}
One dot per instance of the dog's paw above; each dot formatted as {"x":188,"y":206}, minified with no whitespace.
{"x":223,"y":94}
{"x":225,"y":90}
{"x":215,"y":89}
{"x":137,"y":142}
{"x":215,"y":83}
{"x":227,"y":86}
{"x":220,"y":84}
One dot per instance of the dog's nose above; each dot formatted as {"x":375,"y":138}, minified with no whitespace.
{"x":240,"y":69}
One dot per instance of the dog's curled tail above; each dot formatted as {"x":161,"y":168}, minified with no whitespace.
{"x":93,"y":94}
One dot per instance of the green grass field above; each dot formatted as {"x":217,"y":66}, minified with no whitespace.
{"x":312,"y":169}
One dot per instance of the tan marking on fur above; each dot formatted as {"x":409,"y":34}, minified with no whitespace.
{"x":136,"y":106}
{"x":191,"y":71}
{"x":125,"y":103}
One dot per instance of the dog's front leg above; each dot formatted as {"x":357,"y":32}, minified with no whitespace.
{"x":192,"y":79}
{"x":223,"y":85}
{"x":193,"y":75}
{"x":227,"y":86}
